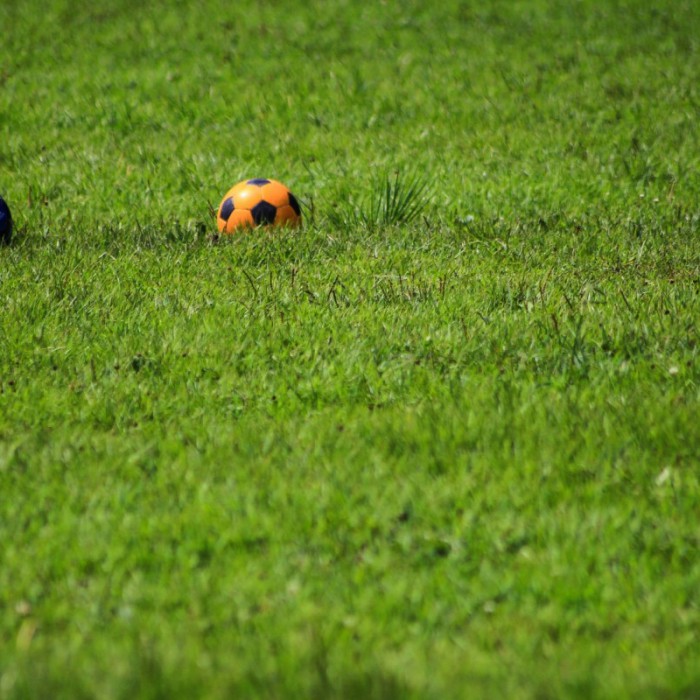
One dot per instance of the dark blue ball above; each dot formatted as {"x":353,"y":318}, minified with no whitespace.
{"x":5,"y":222}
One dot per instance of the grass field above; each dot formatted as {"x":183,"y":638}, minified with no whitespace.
{"x":451,"y":457}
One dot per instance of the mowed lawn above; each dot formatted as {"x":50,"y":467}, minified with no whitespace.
{"x":451,"y":457}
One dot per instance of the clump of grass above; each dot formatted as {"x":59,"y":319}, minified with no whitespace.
{"x":394,"y":198}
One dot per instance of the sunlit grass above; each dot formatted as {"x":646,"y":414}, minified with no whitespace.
{"x":442,"y":441}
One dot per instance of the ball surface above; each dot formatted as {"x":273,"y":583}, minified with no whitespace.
{"x":257,"y":202}
{"x":5,"y":222}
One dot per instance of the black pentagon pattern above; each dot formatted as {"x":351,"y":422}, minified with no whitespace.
{"x":294,"y":204}
{"x":258,"y":181}
{"x":5,"y":222}
{"x":226,"y":209}
{"x":263,"y":213}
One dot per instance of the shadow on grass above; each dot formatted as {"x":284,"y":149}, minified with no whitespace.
{"x":147,"y":678}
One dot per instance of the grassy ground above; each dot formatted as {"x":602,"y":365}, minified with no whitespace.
{"x":454,"y":457}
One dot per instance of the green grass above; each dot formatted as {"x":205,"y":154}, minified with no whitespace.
{"x":444,"y":446}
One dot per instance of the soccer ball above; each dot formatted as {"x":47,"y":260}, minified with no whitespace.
{"x":5,"y":222}
{"x":257,"y":202}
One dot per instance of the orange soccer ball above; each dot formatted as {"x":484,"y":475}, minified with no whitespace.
{"x":257,"y":202}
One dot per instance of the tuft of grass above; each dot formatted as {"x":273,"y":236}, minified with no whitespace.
{"x":394,"y":199}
